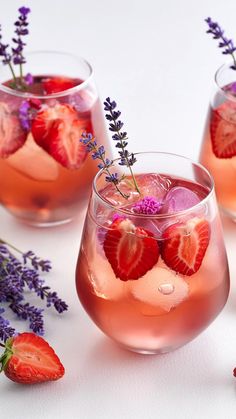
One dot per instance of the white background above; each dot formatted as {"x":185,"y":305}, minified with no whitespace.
{"x":154,"y":58}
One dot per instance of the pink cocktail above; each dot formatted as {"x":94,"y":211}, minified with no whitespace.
{"x":218,"y":151}
{"x":152,"y":270}
{"x":44,"y":170}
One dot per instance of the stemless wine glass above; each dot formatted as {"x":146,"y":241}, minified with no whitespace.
{"x":153,"y":280}
{"x":44,"y":170}
{"x":218,"y":152}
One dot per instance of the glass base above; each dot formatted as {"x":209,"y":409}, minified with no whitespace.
{"x":148,"y":352}
{"x":44,"y":224}
{"x":43,"y":217}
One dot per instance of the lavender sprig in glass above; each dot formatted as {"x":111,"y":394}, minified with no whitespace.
{"x":98,"y":152}
{"x":126,"y":159}
{"x":6,"y":56}
{"x":21,"y":30}
{"x":225,"y":44}
{"x":16,"y":56}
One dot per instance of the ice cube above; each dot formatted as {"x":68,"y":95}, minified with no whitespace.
{"x":179,"y":198}
{"x":115,"y":198}
{"x":32,"y":161}
{"x":153,"y":184}
{"x":103,"y":280}
{"x":160,"y":288}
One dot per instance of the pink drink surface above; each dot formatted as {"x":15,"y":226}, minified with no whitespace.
{"x":218,"y":152}
{"x":163,"y":309}
{"x":38,"y":183}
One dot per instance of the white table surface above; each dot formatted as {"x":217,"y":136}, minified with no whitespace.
{"x":155,"y":59}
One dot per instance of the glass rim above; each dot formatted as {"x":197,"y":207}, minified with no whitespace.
{"x":157,"y":216}
{"x":70,"y":91}
{"x":224,"y":66}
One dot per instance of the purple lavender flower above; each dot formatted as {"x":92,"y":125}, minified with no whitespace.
{"x":29,"y":79}
{"x":24,"y":115}
{"x":30,"y":313}
{"x":113,"y":178}
{"x":226,"y":44}
{"x":3,"y":50}
{"x":27,"y":112}
{"x":115,"y":125}
{"x":36,"y":262}
{"x":99,"y":153}
{"x":15,"y":277}
{"x":6,"y":331}
{"x":148,"y":205}
{"x":21,"y":30}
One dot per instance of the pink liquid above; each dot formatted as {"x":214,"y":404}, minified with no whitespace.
{"x":163,"y":309}
{"x":35,"y":187}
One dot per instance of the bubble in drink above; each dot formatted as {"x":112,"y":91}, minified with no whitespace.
{"x":162,"y":288}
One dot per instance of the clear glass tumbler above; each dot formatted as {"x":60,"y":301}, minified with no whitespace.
{"x":44,"y":170}
{"x":218,"y":151}
{"x":153,"y":280}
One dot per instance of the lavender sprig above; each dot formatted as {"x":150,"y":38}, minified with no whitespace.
{"x":6,"y":331}
{"x":6,"y":56}
{"x":16,"y":56}
{"x":126,"y":159}
{"x":226,"y":44}
{"x":21,"y":30}
{"x":32,"y":314}
{"x":98,"y":152}
{"x":15,"y":277}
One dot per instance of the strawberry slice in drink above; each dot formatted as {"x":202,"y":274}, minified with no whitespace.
{"x":223,"y":130}
{"x":58,"y":131}
{"x":131,"y":250}
{"x":58,"y":84}
{"x":28,"y":359}
{"x":184,"y":245}
{"x":12,"y":135}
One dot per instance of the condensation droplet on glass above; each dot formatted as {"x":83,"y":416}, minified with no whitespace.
{"x":166,"y":289}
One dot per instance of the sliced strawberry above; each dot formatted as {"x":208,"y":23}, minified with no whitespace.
{"x":12,"y":135}
{"x":223,"y":130}
{"x":131,"y":251}
{"x":28,"y":359}
{"x":58,"y":131}
{"x":184,"y":245}
{"x":58,"y":84}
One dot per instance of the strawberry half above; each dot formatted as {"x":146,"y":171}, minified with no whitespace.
{"x":184,"y":245}
{"x":58,"y":84}
{"x":223,"y":130}
{"x":12,"y":135}
{"x":131,"y":250}
{"x":28,"y":359}
{"x":58,"y":130}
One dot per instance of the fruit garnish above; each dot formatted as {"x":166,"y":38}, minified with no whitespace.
{"x":131,"y":250}
{"x":223,"y":130}
{"x":184,"y":245}
{"x":12,"y":136}
{"x":58,"y":130}
{"x":58,"y":84}
{"x":28,"y":359}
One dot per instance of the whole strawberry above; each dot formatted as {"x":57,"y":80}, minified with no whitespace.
{"x":28,"y":359}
